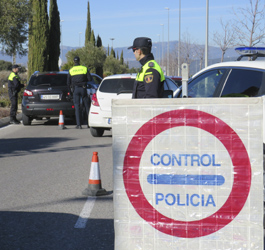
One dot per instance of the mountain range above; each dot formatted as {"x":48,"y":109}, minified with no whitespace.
{"x":214,"y":54}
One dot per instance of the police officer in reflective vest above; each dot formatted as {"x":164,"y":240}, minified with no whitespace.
{"x":77,"y":82}
{"x":14,"y":86}
{"x":149,"y":82}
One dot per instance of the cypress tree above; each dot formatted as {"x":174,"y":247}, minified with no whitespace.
{"x":88,"y":26}
{"x":121,"y":58}
{"x":54,"y":35}
{"x":38,"y":37}
{"x":99,"y":70}
{"x":99,"y":41}
{"x":112,"y":53}
{"x":92,"y":38}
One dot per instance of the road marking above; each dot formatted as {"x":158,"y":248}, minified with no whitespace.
{"x":85,"y":213}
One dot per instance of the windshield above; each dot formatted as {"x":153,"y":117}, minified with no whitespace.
{"x":205,"y":84}
{"x":49,"y":80}
{"x":121,"y":85}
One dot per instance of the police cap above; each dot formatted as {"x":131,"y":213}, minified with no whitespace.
{"x":15,"y":66}
{"x":76,"y":59}
{"x":141,"y":42}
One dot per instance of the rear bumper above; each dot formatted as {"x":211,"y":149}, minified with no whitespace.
{"x":48,"y":109}
{"x":99,"y":119}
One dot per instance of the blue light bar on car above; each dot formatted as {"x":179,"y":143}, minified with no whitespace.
{"x":250,"y":50}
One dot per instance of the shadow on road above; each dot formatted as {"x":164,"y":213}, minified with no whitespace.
{"x":37,"y":230}
{"x":23,"y":146}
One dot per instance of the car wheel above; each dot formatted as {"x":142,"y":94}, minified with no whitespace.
{"x":96,"y":132}
{"x":26,"y":120}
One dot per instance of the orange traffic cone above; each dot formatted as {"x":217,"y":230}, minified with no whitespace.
{"x":94,"y":183}
{"x":61,"y":121}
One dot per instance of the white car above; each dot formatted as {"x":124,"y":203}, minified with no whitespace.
{"x":114,"y":87}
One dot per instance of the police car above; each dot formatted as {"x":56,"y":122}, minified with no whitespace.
{"x":241,"y":78}
{"x":231,"y":79}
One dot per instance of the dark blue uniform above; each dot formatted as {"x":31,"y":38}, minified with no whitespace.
{"x":77,"y":80}
{"x":149,"y":82}
{"x":14,"y":86}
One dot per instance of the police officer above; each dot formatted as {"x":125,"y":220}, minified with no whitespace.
{"x":14,"y":86}
{"x":77,"y":82}
{"x":149,"y":82}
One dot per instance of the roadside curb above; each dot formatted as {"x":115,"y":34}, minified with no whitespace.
{"x":5,"y":121}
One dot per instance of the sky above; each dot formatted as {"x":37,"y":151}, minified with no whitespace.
{"x":126,"y":20}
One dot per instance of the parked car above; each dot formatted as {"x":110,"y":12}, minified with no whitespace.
{"x":231,"y":79}
{"x":228,"y":79}
{"x":92,"y":86}
{"x":114,"y":87}
{"x":46,"y":94}
{"x":177,"y":80}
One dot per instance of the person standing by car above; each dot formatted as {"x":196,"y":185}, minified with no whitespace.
{"x":14,"y":86}
{"x":149,"y":82}
{"x":77,"y":82}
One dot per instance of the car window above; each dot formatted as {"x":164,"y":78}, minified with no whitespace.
{"x":117,"y":85}
{"x":243,"y":83}
{"x":49,"y":80}
{"x":170,"y":85}
{"x":205,"y":84}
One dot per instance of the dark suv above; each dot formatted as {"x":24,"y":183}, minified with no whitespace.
{"x":45,"y":95}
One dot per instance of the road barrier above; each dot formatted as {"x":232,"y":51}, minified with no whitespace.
{"x":188,"y":173}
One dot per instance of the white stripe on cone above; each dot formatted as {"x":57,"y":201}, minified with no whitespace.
{"x":94,"y":177}
{"x":61,"y":118}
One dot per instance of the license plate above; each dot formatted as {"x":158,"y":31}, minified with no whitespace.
{"x":49,"y":97}
{"x":109,"y":121}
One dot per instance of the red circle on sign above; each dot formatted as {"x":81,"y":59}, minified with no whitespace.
{"x":237,"y":152}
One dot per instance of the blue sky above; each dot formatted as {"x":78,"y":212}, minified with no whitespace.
{"x":125,"y":20}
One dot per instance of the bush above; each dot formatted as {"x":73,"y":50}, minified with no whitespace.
{"x":4,"y":98}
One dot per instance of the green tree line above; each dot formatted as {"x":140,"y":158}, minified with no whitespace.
{"x":26,"y":27}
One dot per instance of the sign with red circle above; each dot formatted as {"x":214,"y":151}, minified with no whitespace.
{"x":236,"y":151}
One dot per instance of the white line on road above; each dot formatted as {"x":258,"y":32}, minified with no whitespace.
{"x":84,"y":215}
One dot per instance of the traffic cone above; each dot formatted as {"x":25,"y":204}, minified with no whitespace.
{"x":61,"y":121}
{"x":94,"y":183}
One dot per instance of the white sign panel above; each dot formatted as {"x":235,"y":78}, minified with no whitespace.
{"x":188,"y":173}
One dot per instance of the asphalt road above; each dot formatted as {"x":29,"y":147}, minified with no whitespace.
{"x":43,"y":171}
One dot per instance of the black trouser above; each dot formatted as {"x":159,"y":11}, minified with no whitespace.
{"x":13,"y":109}
{"x":80,"y":93}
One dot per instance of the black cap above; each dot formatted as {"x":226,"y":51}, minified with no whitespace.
{"x":15,"y":66}
{"x":76,"y":59}
{"x":141,"y":42}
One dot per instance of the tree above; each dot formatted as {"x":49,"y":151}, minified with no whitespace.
{"x":250,"y":26}
{"x":38,"y":37}
{"x":92,"y":38}
{"x":113,"y":66}
{"x":54,"y":36}
{"x":112,"y":52}
{"x":121,"y":58}
{"x":90,"y":56}
{"x":225,"y":38}
{"x":99,"y":42}
{"x":88,"y":26}
{"x":99,"y":69}
{"x":13,"y":26}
